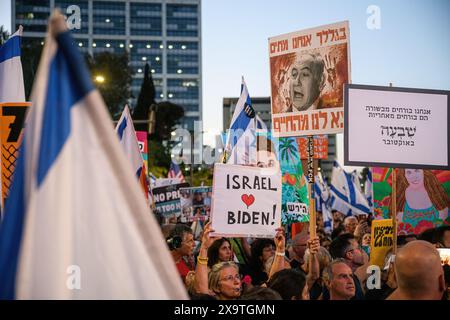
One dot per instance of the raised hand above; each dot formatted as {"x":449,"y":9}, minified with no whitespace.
{"x":330,"y":65}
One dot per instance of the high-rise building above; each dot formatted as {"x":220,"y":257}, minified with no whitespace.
{"x":164,"y":33}
{"x":262,"y":108}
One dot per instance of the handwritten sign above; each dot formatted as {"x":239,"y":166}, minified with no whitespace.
{"x":246,"y":201}
{"x":381,"y":241}
{"x":396,"y":127}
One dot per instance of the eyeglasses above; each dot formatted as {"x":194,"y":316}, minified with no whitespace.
{"x":232,"y":278}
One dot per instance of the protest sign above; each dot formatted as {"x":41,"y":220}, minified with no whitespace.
{"x":167,"y":199}
{"x":308,"y":69}
{"x":246,"y":201}
{"x":381,"y":242}
{"x":396,"y":127}
{"x":195,"y":203}
{"x":425,"y":208}
{"x":294,"y":199}
{"x":11,"y":124}
{"x":142,"y":140}
{"x":320,"y":147}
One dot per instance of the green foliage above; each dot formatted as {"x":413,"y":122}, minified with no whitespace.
{"x":117,"y":73}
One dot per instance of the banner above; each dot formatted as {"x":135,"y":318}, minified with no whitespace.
{"x":142,"y":140}
{"x":423,"y":198}
{"x":167,"y":199}
{"x":396,"y":127}
{"x":11,"y":124}
{"x":308,"y":69}
{"x":195,"y":203}
{"x":246,"y":201}
{"x":320,"y":147}
{"x":381,"y":242}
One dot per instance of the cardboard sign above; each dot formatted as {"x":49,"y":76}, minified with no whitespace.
{"x":246,"y":201}
{"x":195,"y":204}
{"x":396,"y":127}
{"x":167,"y":199}
{"x":11,"y":124}
{"x":308,"y":69}
{"x":381,"y":242}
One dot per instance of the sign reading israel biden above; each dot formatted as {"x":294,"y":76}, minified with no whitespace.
{"x":246,"y":201}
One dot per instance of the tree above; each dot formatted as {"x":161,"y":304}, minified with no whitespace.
{"x":145,"y":100}
{"x":31,"y":55}
{"x":112,"y":75}
{"x":4,"y":35}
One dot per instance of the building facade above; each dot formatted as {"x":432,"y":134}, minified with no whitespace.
{"x":263,"y":110}
{"x":166,"y":34}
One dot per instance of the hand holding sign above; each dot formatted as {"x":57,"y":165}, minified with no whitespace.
{"x":207,"y":240}
{"x":280,"y":241}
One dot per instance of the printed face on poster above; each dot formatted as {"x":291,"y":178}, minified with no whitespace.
{"x":246,"y":201}
{"x":405,"y":128}
{"x":308,"y":69}
{"x":195,"y":203}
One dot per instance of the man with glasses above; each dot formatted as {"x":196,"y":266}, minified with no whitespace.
{"x":299,"y":245}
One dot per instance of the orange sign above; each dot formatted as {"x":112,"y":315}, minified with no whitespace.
{"x":12,"y":119}
{"x":320,"y":147}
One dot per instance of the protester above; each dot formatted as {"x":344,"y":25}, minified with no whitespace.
{"x":441,"y":237}
{"x":219,"y":251}
{"x":290,"y":284}
{"x":316,"y":260}
{"x":299,"y":245}
{"x":350,"y":224}
{"x":340,"y":280}
{"x":418,"y":272}
{"x":181,"y":244}
{"x":347,"y":248}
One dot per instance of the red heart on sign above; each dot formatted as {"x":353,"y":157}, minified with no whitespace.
{"x":248,"y":199}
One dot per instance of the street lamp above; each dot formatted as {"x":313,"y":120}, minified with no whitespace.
{"x":99,"y":79}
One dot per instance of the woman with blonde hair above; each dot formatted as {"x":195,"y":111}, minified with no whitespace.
{"x":420,"y":197}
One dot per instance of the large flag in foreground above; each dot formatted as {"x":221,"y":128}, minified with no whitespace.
{"x":241,"y":140}
{"x":346,"y":197}
{"x":128,"y":140}
{"x":11,"y":75}
{"x":76,"y":224}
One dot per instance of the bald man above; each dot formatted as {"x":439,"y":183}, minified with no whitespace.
{"x":418,"y":272}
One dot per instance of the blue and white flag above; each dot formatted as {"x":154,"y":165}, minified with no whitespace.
{"x":11,"y":75}
{"x":130,"y":145}
{"x":322,"y":196}
{"x":345,"y":195}
{"x":76,"y":224}
{"x":368,"y":191}
{"x":260,"y":124}
{"x":241,"y":141}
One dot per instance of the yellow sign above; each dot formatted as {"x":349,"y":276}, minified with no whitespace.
{"x":382,"y":241}
{"x":12,"y":119}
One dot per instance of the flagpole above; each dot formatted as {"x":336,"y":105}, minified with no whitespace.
{"x":312,"y":206}
{"x":394,"y":209}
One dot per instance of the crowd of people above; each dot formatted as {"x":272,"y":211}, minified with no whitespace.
{"x":297,"y":266}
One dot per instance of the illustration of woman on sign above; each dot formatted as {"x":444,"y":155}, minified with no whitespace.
{"x":421,"y":200}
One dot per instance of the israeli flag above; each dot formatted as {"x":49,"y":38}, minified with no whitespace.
{"x":11,"y":75}
{"x":345,"y":195}
{"x":130,"y":145}
{"x":76,"y":223}
{"x":241,"y":141}
{"x":322,"y":196}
